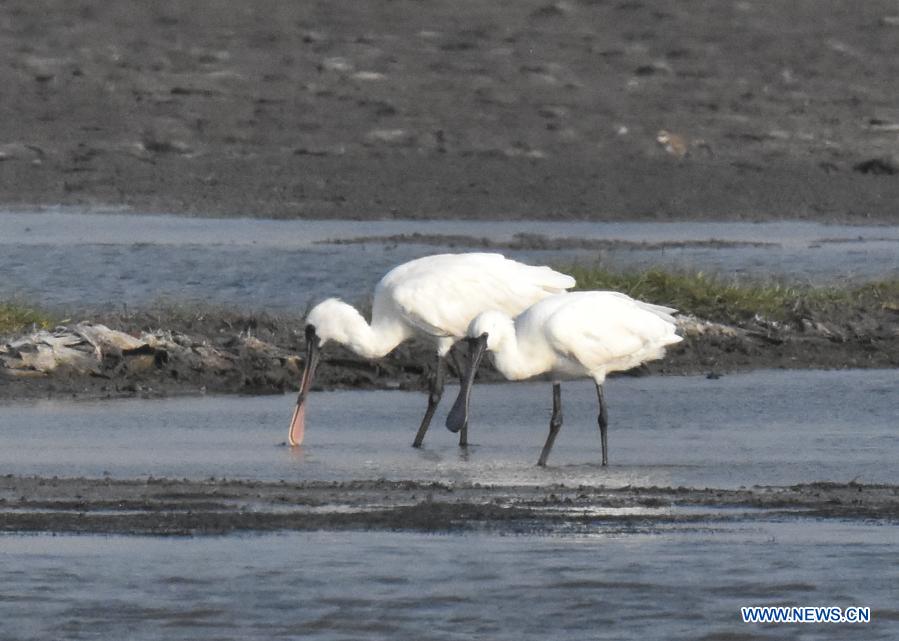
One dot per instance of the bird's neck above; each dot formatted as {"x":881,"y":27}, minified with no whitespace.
{"x":375,"y":340}
{"x":513,"y":363}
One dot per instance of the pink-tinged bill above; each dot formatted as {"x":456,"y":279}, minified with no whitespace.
{"x":297,"y":426}
{"x":298,"y":421}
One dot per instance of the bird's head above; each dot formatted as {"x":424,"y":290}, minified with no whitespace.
{"x":330,"y":320}
{"x":333,"y":320}
{"x":489,"y":331}
{"x":494,"y":327}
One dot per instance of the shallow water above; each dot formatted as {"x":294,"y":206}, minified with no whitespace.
{"x":76,"y":260}
{"x":348,"y":585}
{"x":664,"y":580}
{"x":763,"y":427}
{"x":661,"y":581}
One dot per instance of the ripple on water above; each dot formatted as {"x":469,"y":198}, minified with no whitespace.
{"x":389,"y":585}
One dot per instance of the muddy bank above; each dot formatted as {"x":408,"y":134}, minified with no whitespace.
{"x":524,"y":241}
{"x":534,"y":109}
{"x":218,"y":506}
{"x":171,"y":352}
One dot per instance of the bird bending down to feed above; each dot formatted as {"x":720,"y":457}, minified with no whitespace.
{"x":435,"y":297}
{"x":571,"y":335}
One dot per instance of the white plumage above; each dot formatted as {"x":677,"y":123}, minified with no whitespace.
{"x":570,"y":335}
{"x":579,"y":334}
{"x":435,"y":297}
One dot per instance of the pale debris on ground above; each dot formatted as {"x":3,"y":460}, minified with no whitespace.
{"x":95,"y":349}
{"x":689,"y":325}
{"x":91,"y":349}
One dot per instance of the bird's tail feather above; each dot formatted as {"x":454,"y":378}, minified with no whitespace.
{"x":551,"y":280}
{"x":665,"y":313}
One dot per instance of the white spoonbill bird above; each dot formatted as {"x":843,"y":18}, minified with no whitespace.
{"x":435,"y":297}
{"x":571,"y":335}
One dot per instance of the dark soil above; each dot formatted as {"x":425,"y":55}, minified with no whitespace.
{"x":263,"y":354}
{"x":528,"y":109}
{"x":523,"y":241}
{"x":219,"y":506}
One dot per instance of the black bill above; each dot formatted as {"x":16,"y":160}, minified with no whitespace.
{"x":458,"y":416}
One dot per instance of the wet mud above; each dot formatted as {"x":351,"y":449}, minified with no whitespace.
{"x":219,"y":506}
{"x":182,"y":351}
{"x":522,"y":241}
{"x":532,"y":109}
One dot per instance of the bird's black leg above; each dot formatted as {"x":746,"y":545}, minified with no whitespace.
{"x":463,"y":433}
{"x":463,"y":437}
{"x":435,"y":391}
{"x":555,"y":423}
{"x":457,"y":365}
{"x":603,"y":424}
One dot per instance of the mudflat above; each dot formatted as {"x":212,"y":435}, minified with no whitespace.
{"x":218,"y":506}
{"x":616,"y":109}
{"x":172,"y":352}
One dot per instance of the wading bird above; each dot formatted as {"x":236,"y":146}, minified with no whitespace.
{"x":571,"y":335}
{"x":435,"y":297}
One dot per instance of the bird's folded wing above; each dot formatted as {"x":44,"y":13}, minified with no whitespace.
{"x":594,"y":335}
{"x":444,"y":304}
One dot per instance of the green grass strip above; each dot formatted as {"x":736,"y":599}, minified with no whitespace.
{"x":719,"y":299}
{"x":15,"y":317}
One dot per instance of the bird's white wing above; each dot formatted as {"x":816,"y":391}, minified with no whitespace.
{"x":606,"y":330}
{"x":666,"y":313}
{"x":440,"y":295}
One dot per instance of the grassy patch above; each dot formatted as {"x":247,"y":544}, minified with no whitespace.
{"x":15,"y":317}
{"x":733,"y":301}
